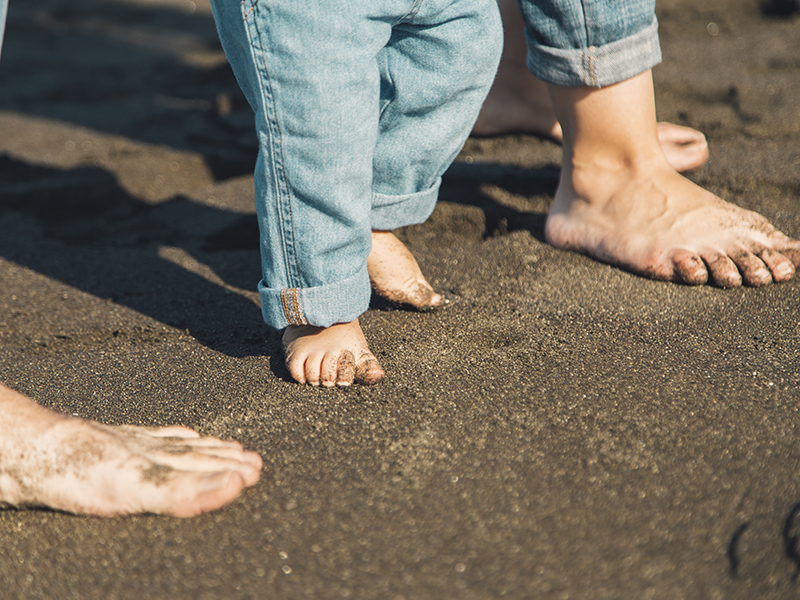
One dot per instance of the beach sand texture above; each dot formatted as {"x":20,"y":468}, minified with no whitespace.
{"x":561,"y":429}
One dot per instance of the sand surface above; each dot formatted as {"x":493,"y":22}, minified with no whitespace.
{"x":562,"y":429}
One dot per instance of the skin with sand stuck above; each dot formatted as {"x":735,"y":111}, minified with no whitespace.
{"x":84,"y":467}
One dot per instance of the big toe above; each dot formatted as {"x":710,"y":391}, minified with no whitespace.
{"x":689,"y":268}
{"x":684,"y":147}
{"x":419,"y":294}
{"x":368,"y":370}
{"x":212,"y":492}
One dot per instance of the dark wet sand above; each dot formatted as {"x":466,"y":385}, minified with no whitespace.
{"x":562,"y":429}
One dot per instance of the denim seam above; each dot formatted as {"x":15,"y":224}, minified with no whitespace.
{"x":249,"y":11}
{"x":589,"y":63}
{"x":278,"y":161}
{"x":588,"y":56}
{"x":292,"y":307}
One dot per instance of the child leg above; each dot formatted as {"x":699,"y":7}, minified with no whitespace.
{"x":311,"y":75}
{"x":436,"y":71}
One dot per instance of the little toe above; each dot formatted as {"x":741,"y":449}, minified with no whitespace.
{"x":781,"y":267}
{"x":754,"y":272}
{"x":346,"y":371}
{"x":368,"y":370}
{"x":689,"y":267}
{"x":723,"y":272}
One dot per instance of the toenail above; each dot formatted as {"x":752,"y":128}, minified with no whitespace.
{"x":217,"y":481}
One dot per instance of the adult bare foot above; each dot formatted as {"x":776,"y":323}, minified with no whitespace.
{"x":85,"y":467}
{"x":618,"y":200}
{"x":520,"y":103}
{"x":328,"y":356}
{"x":395,"y":274}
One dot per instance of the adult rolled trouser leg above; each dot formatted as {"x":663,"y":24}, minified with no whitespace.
{"x":592,"y":43}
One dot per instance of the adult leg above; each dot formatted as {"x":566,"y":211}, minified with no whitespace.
{"x":618,"y":199}
{"x":81,"y":466}
{"x":520,"y":103}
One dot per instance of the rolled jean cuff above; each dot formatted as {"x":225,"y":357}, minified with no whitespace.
{"x":393,"y":211}
{"x":322,"y":306}
{"x":596,"y":66}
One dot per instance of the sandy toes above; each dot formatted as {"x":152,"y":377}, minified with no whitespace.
{"x":336,"y":355}
{"x":663,"y":226}
{"x":85,"y":467}
{"x":395,"y":274}
{"x":339,"y":355}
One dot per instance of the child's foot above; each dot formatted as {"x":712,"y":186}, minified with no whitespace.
{"x":395,"y":274}
{"x":328,"y":356}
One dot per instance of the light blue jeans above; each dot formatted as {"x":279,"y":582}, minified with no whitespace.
{"x":360,"y":106}
{"x":3,"y":13}
{"x":592,"y":43}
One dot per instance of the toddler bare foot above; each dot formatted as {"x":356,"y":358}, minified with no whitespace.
{"x":84,"y":467}
{"x":328,"y":356}
{"x":395,"y":274}
{"x":658,"y":224}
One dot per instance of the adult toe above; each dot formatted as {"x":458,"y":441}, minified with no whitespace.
{"x":781,"y":267}
{"x":689,"y":268}
{"x":754,"y":272}
{"x":723,"y":272}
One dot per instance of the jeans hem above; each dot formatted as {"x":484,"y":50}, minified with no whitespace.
{"x":596,"y":66}
{"x":321,"y":306}
{"x":393,"y":211}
